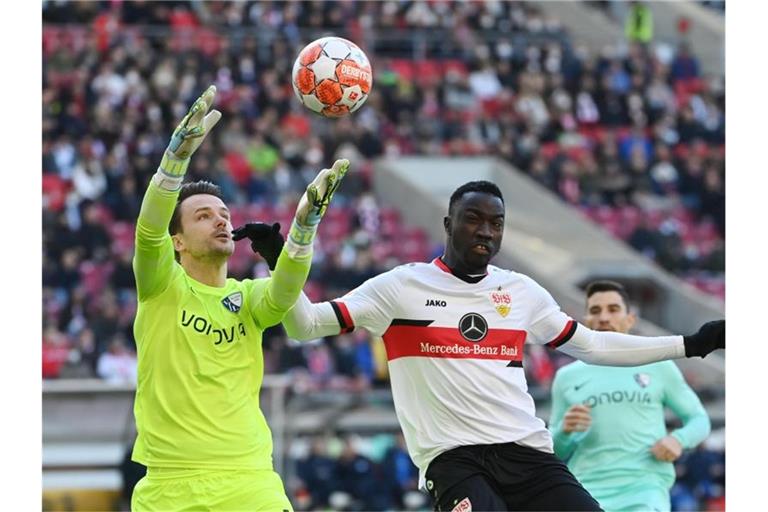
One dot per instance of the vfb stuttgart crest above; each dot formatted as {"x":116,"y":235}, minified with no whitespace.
{"x":233,"y":302}
{"x":501,"y":301}
{"x":643,"y":379}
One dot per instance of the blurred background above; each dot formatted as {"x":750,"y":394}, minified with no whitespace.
{"x":602,"y":122}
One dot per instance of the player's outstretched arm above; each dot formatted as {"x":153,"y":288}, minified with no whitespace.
{"x":372,"y":305}
{"x":710,"y":337}
{"x":312,"y":207}
{"x":617,"y":349}
{"x":153,"y":259}
{"x":293,"y":264}
{"x":308,"y":321}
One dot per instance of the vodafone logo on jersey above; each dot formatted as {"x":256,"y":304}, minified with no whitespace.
{"x":473,"y":327}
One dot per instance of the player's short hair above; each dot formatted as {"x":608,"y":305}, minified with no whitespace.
{"x":485,"y":187}
{"x":189,"y":190}
{"x":608,"y":286}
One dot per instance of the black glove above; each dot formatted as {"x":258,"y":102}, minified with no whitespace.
{"x":711,"y":336}
{"x":265,"y":240}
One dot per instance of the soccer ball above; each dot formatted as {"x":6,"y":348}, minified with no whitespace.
{"x":332,"y":77}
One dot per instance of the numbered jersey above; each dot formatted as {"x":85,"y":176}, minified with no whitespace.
{"x":455,"y":351}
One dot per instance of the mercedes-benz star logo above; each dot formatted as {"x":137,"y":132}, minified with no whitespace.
{"x":473,"y":327}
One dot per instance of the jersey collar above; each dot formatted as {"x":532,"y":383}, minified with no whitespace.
{"x":464,"y":277}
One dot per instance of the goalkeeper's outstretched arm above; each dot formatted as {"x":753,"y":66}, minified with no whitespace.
{"x":153,"y":259}
{"x":271,"y":303}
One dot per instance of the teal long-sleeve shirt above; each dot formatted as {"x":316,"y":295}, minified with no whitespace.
{"x":627,"y":408}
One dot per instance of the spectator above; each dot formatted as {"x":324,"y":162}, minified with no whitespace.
{"x":82,"y":360}
{"x":125,"y":201}
{"x":55,"y":352}
{"x":684,"y":66}
{"x":638,"y":26}
{"x":92,"y":235}
{"x":357,"y":475}
{"x":118,"y":364}
{"x":317,"y":473}
{"x":713,"y":198}
{"x":399,"y":471}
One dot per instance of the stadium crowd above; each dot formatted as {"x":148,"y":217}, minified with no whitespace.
{"x":636,"y":140}
{"x":632,"y":136}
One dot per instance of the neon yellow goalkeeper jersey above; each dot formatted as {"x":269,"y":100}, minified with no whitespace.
{"x":200,"y":361}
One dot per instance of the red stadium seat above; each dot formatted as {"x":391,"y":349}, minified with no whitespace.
{"x":404,"y":68}
{"x":456,"y":66}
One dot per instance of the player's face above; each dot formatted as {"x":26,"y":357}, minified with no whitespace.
{"x":606,"y":311}
{"x":475,"y":229}
{"x":206,"y":229}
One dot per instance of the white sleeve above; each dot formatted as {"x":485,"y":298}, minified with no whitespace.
{"x":548,"y":325}
{"x":308,"y":321}
{"x":371,"y":305}
{"x":617,"y":349}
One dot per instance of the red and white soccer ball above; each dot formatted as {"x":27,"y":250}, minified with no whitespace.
{"x":332,"y":77}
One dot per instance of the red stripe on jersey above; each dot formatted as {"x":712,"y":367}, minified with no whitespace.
{"x":442,"y":266}
{"x":564,"y":335}
{"x":467,"y":278}
{"x":447,"y":342}
{"x":349,"y":324}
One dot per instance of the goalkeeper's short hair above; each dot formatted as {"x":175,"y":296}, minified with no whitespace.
{"x":188,"y":190}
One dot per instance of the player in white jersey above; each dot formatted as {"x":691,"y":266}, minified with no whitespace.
{"x":454,"y":331}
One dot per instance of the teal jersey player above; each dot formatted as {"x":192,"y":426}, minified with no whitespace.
{"x":608,"y":422}
{"x":613,"y":458}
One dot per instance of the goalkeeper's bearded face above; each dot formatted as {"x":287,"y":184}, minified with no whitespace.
{"x":206,"y":229}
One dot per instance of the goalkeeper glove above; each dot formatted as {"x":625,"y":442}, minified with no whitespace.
{"x":265,"y":240}
{"x":186,"y":138}
{"x":711,"y":336}
{"x":312,"y":207}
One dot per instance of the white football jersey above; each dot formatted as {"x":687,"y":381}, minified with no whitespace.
{"x":455,"y":352}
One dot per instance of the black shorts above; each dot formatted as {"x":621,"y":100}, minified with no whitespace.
{"x":504,"y":477}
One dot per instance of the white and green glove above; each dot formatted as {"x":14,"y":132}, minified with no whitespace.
{"x":186,"y":138}
{"x":312,"y":207}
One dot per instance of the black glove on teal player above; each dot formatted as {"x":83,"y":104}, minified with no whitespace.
{"x":711,"y":336}
{"x":265,"y":240}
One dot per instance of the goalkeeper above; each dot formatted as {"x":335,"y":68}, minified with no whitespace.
{"x":201,"y":433}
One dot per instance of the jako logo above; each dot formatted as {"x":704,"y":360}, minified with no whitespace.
{"x":436,"y":303}
{"x":617,"y":397}
{"x":203,"y":326}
